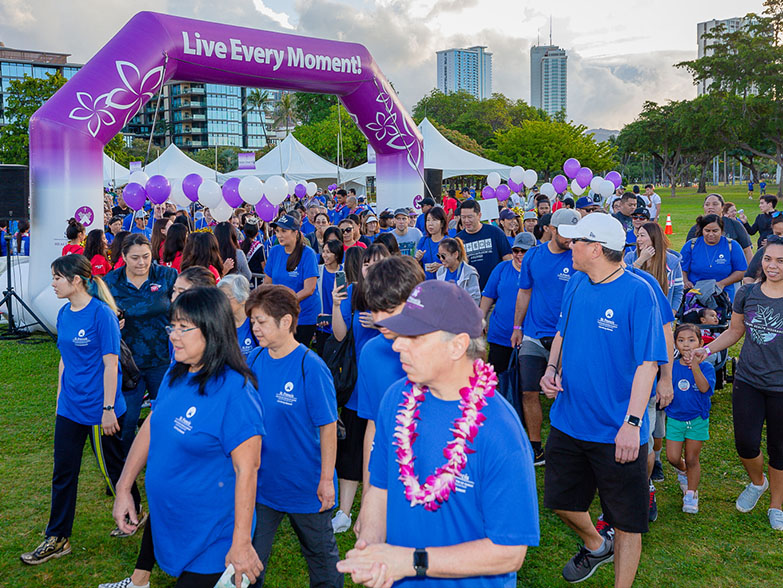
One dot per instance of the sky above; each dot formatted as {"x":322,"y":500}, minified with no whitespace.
{"x":620,"y":53}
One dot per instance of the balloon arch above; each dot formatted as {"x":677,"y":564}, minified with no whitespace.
{"x":68,"y":133}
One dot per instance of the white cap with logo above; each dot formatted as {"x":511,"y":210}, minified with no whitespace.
{"x":600,"y":228}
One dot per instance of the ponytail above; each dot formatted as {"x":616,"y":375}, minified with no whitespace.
{"x":455,"y":245}
{"x":97,"y":288}
{"x":296,"y":254}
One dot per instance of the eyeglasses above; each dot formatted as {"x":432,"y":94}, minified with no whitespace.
{"x":178,"y":330}
{"x":583,"y":240}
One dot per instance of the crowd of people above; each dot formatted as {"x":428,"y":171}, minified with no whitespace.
{"x":287,"y":364}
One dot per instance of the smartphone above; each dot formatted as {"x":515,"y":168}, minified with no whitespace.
{"x":227,"y":579}
{"x":324,"y":318}
{"x":339,"y":279}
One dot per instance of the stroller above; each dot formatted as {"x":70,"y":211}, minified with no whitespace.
{"x":706,"y":294}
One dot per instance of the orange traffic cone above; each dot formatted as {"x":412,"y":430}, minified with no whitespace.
{"x":668,"y":230}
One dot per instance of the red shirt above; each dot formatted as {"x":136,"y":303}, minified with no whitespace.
{"x":214,"y":273}
{"x":69,"y":249}
{"x":357,"y":244}
{"x":120,"y":263}
{"x":176,"y":263}
{"x":100,"y":265}
{"x":449,"y":204}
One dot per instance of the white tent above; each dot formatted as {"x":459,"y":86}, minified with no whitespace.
{"x":440,"y":153}
{"x":113,"y":173}
{"x":294,"y":161}
{"x":174,"y":164}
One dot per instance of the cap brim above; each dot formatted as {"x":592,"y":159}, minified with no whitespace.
{"x":406,"y":326}
{"x":569,"y":231}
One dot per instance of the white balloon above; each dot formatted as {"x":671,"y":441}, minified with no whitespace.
{"x":576,"y":188}
{"x":222,"y":212}
{"x":138,"y":177}
{"x":529,"y":178}
{"x":210,"y":194}
{"x":595,"y":183}
{"x":606,"y":188}
{"x":517,"y":174}
{"x":493,"y":179}
{"x":251,"y":189}
{"x":177,"y":196}
{"x":548,"y":190}
{"x":312,"y":188}
{"x":276,"y":189}
{"x":291,"y":186}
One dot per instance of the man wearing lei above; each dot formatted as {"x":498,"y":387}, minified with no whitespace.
{"x":452,"y":497}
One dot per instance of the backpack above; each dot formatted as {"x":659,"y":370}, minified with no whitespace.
{"x":340,"y":358}
{"x":131,"y":374}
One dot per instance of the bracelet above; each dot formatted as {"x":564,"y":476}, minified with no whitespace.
{"x":707,"y":349}
{"x":517,"y":327}
{"x":551,"y":365}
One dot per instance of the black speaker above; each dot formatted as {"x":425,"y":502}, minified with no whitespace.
{"x":14,"y":192}
{"x":433,"y":178}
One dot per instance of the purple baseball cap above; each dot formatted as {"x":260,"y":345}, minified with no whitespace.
{"x":437,"y":306}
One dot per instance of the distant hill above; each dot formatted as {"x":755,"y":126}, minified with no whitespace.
{"x":602,"y":135}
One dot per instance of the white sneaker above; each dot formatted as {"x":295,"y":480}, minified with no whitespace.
{"x":341,"y":522}
{"x":126,"y":583}
{"x":682,"y":478}
{"x":690,"y":502}
{"x":775,"y":518}
{"x":749,"y":497}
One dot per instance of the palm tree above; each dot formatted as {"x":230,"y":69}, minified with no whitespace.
{"x":285,"y":112}
{"x":258,"y":100}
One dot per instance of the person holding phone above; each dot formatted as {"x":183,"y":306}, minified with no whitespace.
{"x":436,"y":227}
{"x":332,"y":254}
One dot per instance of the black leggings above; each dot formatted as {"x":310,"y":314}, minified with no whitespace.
{"x":499,"y":356}
{"x":304,"y":334}
{"x":752,"y":406}
{"x":146,"y":558}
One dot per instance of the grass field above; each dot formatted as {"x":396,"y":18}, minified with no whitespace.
{"x":719,"y":547}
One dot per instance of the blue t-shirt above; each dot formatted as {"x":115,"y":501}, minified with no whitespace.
{"x":452,"y":276}
{"x":608,"y":331}
{"x":83,"y":338}
{"x":298,"y":396}
{"x":689,"y":402}
{"x":495,"y":496}
{"x":546,"y":275}
{"x":247,"y":340}
{"x":307,"y":268}
{"x":2,"y":242}
{"x":502,"y":287}
{"x":190,"y":477}
{"x":430,"y":249}
{"x":307,"y":226}
{"x":712,"y":262}
{"x":378,"y":365}
{"x":485,"y":249}
{"x":667,"y":314}
{"x":421,"y":224}
{"x":25,"y":246}
{"x":361,"y":336}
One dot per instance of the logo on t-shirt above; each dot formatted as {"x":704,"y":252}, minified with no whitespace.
{"x":683,"y":384}
{"x":154,"y":287}
{"x":191,"y":412}
{"x":248,"y":342}
{"x":289,"y":386}
{"x":182,"y":424}
{"x":564,"y":275}
{"x":606,"y":323}
{"x":81,"y":333}
{"x":609,"y":313}
{"x":477,"y":249}
{"x":764,"y":324}
{"x":721,"y":259}
{"x":463,"y":483}
{"x":80,"y":340}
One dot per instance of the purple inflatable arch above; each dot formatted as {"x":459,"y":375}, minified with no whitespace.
{"x":68,"y":133}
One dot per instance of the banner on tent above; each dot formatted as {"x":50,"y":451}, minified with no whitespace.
{"x":135,"y":166}
{"x":246,"y":160}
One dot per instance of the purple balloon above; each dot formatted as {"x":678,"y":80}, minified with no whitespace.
{"x":300,"y":191}
{"x":514,"y":186}
{"x":488,"y":192}
{"x":571,"y":167}
{"x":158,"y":189}
{"x":584,"y":176}
{"x":502,"y":192}
{"x":231,"y":193}
{"x":135,"y":195}
{"x":615,"y":178}
{"x":265,"y":210}
{"x":190,"y":186}
{"x":560,"y":183}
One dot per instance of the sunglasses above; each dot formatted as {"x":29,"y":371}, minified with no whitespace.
{"x":517,"y":250}
{"x":638,"y":217}
{"x":347,"y":229}
{"x":441,"y":256}
{"x":583,"y":240}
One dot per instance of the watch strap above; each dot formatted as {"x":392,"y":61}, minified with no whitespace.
{"x":634,"y":421}
{"x":420,"y":562}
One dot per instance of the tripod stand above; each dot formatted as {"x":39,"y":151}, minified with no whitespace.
{"x":9,"y":295}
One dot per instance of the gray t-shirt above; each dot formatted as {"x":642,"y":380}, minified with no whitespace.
{"x":732,"y":228}
{"x":761,"y":358}
{"x":408,"y":241}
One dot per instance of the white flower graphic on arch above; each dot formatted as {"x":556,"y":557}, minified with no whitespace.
{"x":138,"y":89}
{"x":384,"y":125}
{"x":91,"y":111}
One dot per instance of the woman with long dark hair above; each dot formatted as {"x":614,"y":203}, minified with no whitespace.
{"x":97,"y":251}
{"x":202,"y":249}
{"x":208,"y":421}
{"x":89,"y":398}
{"x":75,"y":233}
{"x":652,"y":255}
{"x":350,"y":231}
{"x":436,"y":228}
{"x":332,"y":255}
{"x":115,"y":251}
{"x":176,"y":238}
{"x":228,"y":245}
{"x":158,"y":238}
{"x":390,"y":242}
{"x":292,"y":263}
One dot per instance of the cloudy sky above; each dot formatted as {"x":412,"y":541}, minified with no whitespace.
{"x":621,"y":52}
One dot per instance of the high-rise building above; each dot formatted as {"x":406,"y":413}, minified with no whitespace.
{"x":465,"y":69}
{"x":730,"y":25}
{"x":549,"y":79}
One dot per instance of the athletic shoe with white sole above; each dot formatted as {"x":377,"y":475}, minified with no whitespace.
{"x":682,"y":479}
{"x":690,"y":502}
{"x":653,"y":514}
{"x":585,"y":563}
{"x":341,"y":522}
{"x":126,"y":583}
{"x":538,"y":458}
{"x":749,"y":497}
{"x":775,"y":518}
{"x":657,"y":472}
{"x":50,"y":548}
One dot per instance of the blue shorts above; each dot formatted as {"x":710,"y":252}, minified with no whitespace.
{"x":697,"y":429}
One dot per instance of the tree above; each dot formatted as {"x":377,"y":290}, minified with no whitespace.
{"x":321,"y":137}
{"x":285,"y":112}
{"x":258,"y":101}
{"x":545,"y":145}
{"x":22,"y":98}
{"x":313,"y":108}
{"x":116,"y":149}
{"x":460,"y":140}
{"x":226,"y":158}
{"x":442,"y":108}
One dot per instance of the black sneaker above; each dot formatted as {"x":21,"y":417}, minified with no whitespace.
{"x":538,"y":457}
{"x":657,"y":472}
{"x":50,"y":548}
{"x":585,"y":563}
{"x":653,"y":505}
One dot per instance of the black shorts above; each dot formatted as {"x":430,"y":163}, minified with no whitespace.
{"x":575,"y":469}
{"x":531,"y":368}
{"x":350,"y":451}
{"x":499,"y":356}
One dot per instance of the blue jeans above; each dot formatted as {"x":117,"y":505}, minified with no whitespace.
{"x":149,"y":381}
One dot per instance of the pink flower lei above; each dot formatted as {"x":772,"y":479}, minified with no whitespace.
{"x":436,"y":490}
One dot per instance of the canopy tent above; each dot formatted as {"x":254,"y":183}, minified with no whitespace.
{"x":293,"y":160}
{"x":113,"y":173}
{"x":440,"y":153}
{"x":174,"y":164}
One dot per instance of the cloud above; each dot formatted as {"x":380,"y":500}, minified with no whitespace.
{"x":280,"y":18}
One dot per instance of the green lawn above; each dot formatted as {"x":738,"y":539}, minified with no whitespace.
{"x":719,"y":547}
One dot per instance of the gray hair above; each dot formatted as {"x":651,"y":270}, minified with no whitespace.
{"x":236,"y":285}
{"x":477,"y":348}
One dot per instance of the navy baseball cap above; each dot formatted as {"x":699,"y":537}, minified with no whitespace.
{"x":584,"y":202}
{"x":437,"y":306}
{"x":286,"y":222}
{"x":507,"y":214}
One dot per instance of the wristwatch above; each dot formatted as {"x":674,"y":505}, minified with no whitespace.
{"x":108,"y":407}
{"x":634,"y":421}
{"x":420,"y":562}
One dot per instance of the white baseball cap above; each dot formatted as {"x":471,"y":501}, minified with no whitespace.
{"x":599,"y":228}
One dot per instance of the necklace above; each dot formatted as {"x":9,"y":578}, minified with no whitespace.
{"x":438,"y":486}
{"x":707,"y":247}
{"x":607,"y":277}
